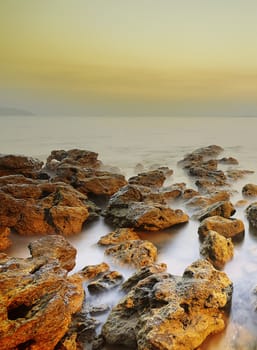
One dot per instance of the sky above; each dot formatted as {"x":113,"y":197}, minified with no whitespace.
{"x":128,"y":57}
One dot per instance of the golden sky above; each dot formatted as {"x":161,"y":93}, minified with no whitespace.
{"x":136,"y":57}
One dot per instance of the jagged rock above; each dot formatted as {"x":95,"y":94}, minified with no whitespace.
{"x":202,"y":202}
{"x":43,"y":208}
{"x":170,"y":312}
{"x":79,"y":157}
{"x":236,"y":174}
{"x":18,"y":164}
{"x":37,"y":298}
{"x":118,"y":236}
{"x":210,"y":186}
{"x":217,"y":249}
{"x":200,"y":155}
{"x":224,"y":209}
{"x":153,"y":178}
{"x":190,"y":193}
{"x":91,"y":181}
{"x":107,"y":281}
{"x":251,"y":212}
{"x":229,"y":228}
{"x":137,"y":253}
{"x":5,"y":241}
{"x":228,"y":160}
{"x":144,"y":216}
{"x":250,"y":190}
{"x":92,"y":271}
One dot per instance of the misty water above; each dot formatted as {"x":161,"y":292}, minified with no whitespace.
{"x":128,"y":141}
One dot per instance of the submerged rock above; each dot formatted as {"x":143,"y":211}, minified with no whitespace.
{"x":229,"y":228}
{"x":217,"y":249}
{"x":169,"y":312}
{"x":21,"y":165}
{"x":37,"y":297}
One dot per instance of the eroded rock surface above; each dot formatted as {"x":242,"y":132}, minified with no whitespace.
{"x":18,"y":164}
{"x":251,"y":212}
{"x":229,"y":228}
{"x":169,"y":312}
{"x":225,"y":209}
{"x":250,"y":190}
{"x":37,"y":297}
{"x":153,"y":178}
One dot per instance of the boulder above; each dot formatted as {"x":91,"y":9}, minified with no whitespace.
{"x":251,"y":212}
{"x":43,"y":208}
{"x":217,"y":249}
{"x":236,"y":174}
{"x":249,"y":190}
{"x":105,"y":282}
{"x":37,"y":297}
{"x":229,"y":228}
{"x":118,"y":236}
{"x":21,"y":165}
{"x":137,"y":253}
{"x":169,"y":312}
{"x":5,"y":241}
{"x":228,"y":160}
{"x":153,"y":178}
{"x":224,"y":209}
{"x":91,"y":181}
{"x":202,"y":202}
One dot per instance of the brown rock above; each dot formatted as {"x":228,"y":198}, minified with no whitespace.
{"x":224,"y":209}
{"x":217,"y":249}
{"x":250,"y":190}
{"x":153,"y":178}
{"x":251,"y":212}
{"x":118,"y":236}
{"x":107,"y":281}
{"x":137,"y":253}
{"x":18,"y":164}
{"x":5,"y":241}
{"x":37,"y":300}
{"x":228,"y":160}
{"x":229,"y":228}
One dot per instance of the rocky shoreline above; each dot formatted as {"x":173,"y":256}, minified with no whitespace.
{"x":44,"y":305}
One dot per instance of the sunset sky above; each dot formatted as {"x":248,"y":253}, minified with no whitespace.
{"x":129,"y":57}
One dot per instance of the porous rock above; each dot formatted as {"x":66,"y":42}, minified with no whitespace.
{"x":5,"y":241}
{"x":224,"y":209}
{"x":169,"y":312}
{"x":38,"y":298}
{"x":18,"y":164}
{"x":152,"y":178}
{"x":118,"y":236}
{"x":217,"y":249}
{"x":229,"y":228}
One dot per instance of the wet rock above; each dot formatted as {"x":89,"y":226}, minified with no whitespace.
{"x":92,"y":271}
{"x":228,"y":160}
{"x":5,"y":241}
{"x":37,"y":299}
{"x":250,"y":190}
{"x":202,"y":202}
{"x":153,"y":178}
{"x":217,"y":249}
{"x":251,"y":212}
{"x":78,"y":157}
{"x":229,"y":228}
{"x":18,"y":164}
{"x":91,"y":181}
{"x":118,"y":236}
{"x":137,"y":253}
{"x":171,"y":312}
{"x":144,"y":216}
{"x":224,"y":209}
{"x":235,"y":174}
{"x":107,"y":281}
{"x":200,"y":155}
{"x":190,"y":193}
{"x":43,"y":208}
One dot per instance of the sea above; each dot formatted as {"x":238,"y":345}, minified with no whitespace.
{"x":130,"y":143}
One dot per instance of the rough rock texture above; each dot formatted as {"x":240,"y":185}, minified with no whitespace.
{"x":134,"y":252}
{"x":118,"y":236}
{"x":18,"y":164}
{"x":203,"y":202}
{"x":79,"y":157}
{"x":251,"y":212}
{"x":5,"y":241}
{"x":37,"y":297}
{"x":42,"y":208}
{"x":229,"y":228}
{"x":153,"y":178}
{"x":169,"y":312}
{"x":250,"y":190}
{"x":105,"y":282}
{"x":88,"y":180}
{"x":235,"y":174}
{"x":143,"y":216}
{"x":224,"y":209}
{"x":228,"y":160}
{"x":217,"y":249}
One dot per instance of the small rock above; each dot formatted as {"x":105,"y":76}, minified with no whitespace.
{"x":229,"y":228}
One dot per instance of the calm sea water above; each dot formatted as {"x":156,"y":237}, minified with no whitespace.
{"x":125,"y":142}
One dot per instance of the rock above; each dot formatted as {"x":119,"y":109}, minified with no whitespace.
{"x":170,"y":312}
{"x":202,"y":202}
{"x":190,"y":193}
{"x":251,"y":212}
{"x":236,"y":174}
{"x":200,"y":155}
{"x":37,"y":299}
{"x":20,"y":165}
{"x":137,"y":253}
{"x":224,"y":209}
{"x":118,"y":236}
{"x":43,"y":208}
{"x":229,"y":228}
{"x":107,"y":281}
{"x":249,"y":190}
{"x":228,"y":160}
{"x":5,"y":241}
{"x":92,"y":271}
{"x":91,"y":181}
{"x":217,"y":249}
{"x":144,"y":216}
{"x":153,"y":178}
{"x":78,"y":157}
